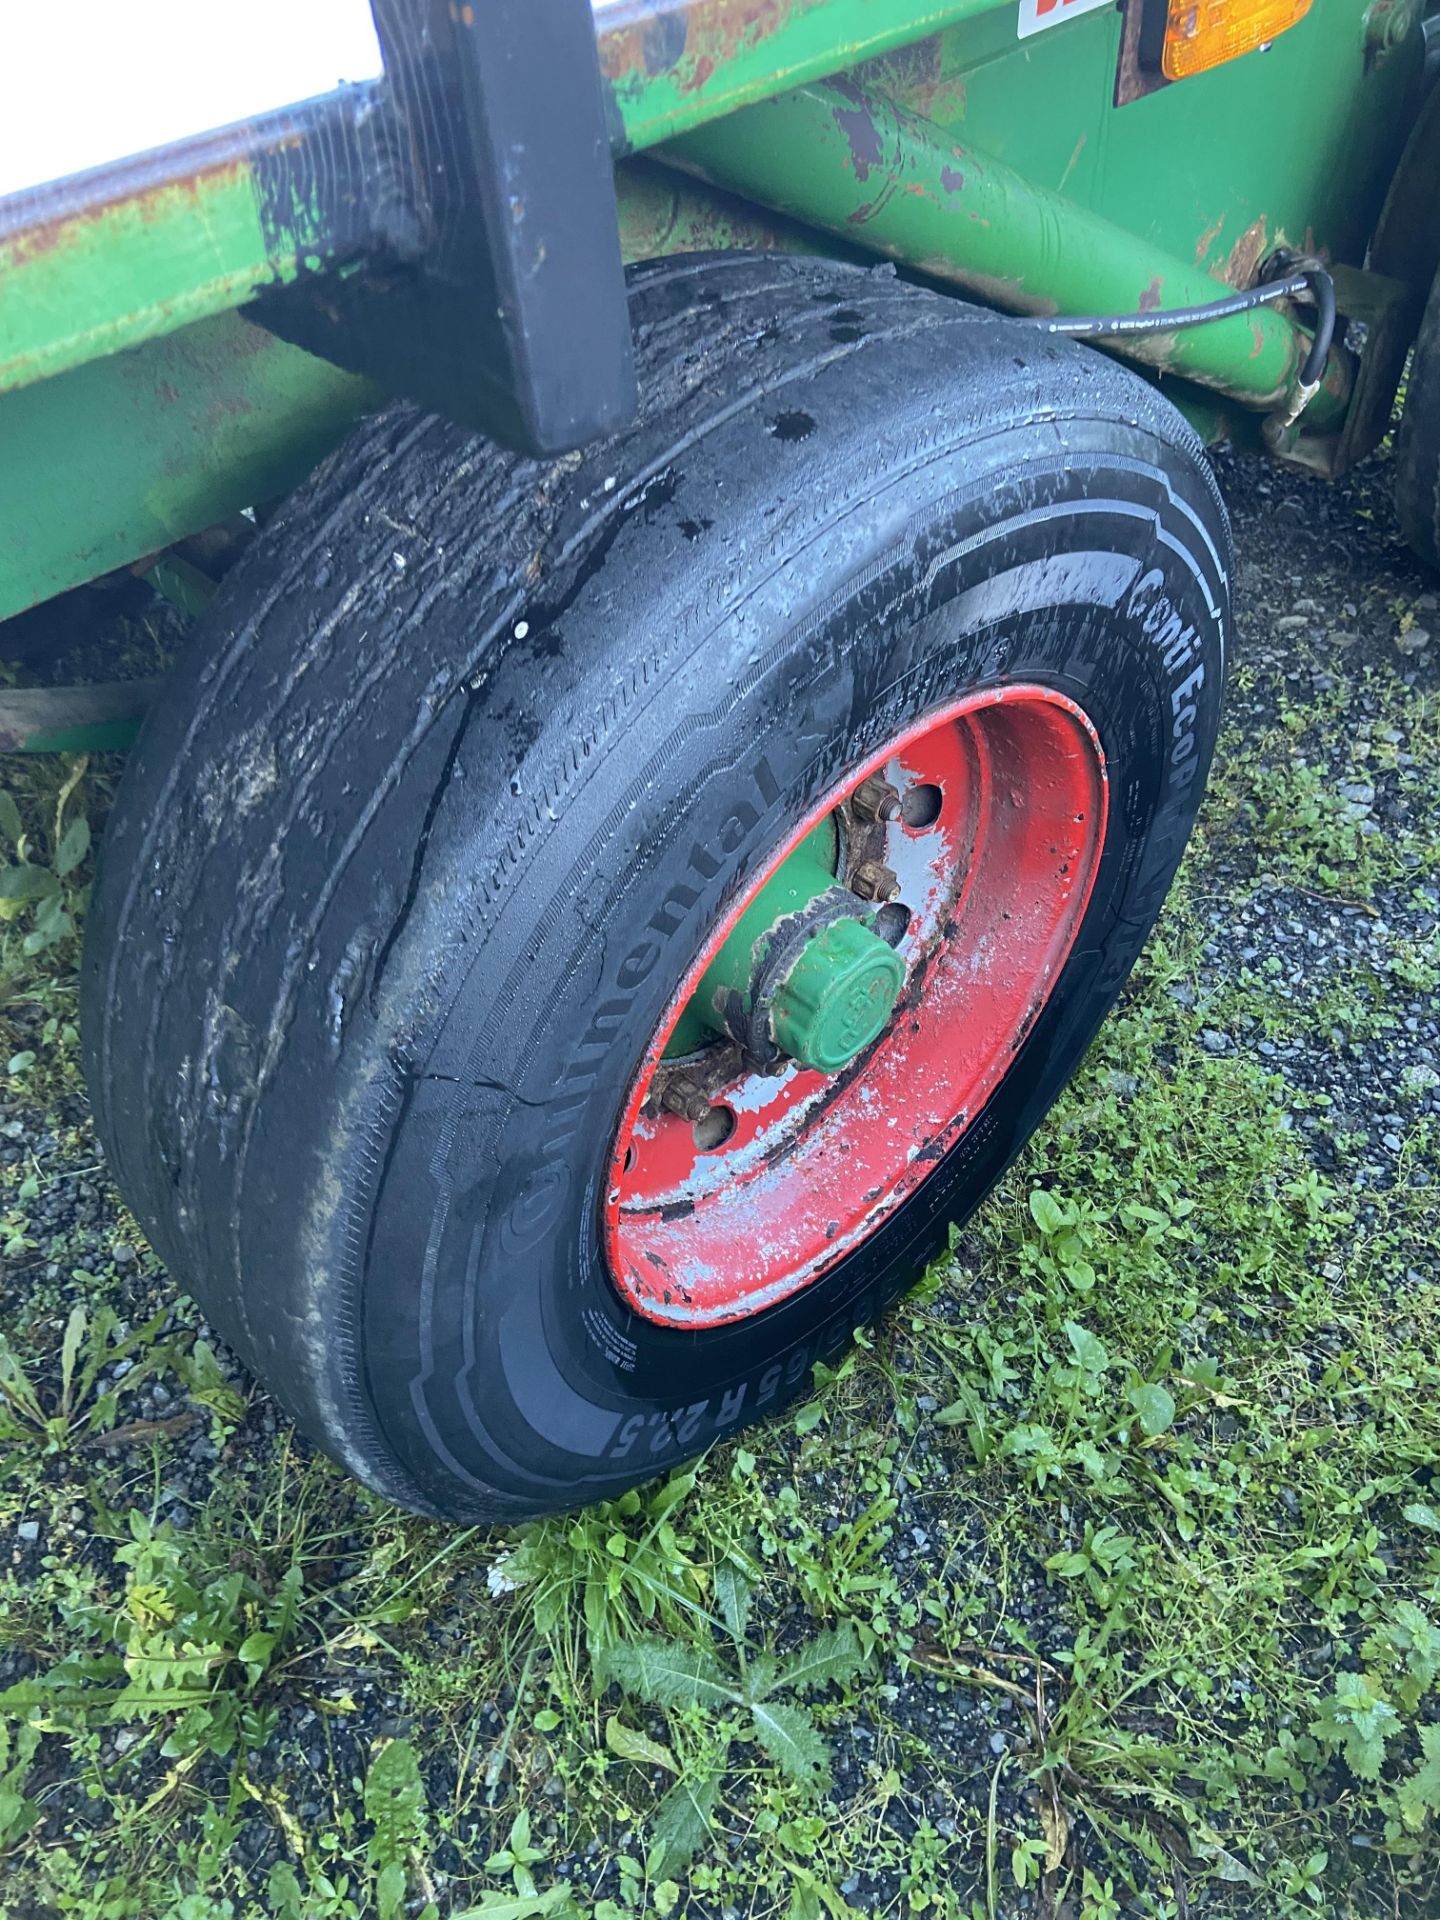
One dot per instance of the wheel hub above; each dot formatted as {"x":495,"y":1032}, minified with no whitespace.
{"x":802,"y":974}
{"x":857,"y":1007}
{"x":837,"y":997}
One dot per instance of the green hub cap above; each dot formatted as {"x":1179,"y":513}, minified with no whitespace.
{"x":837,"y":997}
{"x":838,"y":992}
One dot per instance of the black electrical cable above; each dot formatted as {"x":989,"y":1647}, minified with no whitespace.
{"x":1314,"y":281}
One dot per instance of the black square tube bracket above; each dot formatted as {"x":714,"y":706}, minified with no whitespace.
{"x":488,"y":283}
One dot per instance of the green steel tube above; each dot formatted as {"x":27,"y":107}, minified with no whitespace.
{"x":898,"y":185}
{"x":138,"y":252}
{"x":661,"y":212}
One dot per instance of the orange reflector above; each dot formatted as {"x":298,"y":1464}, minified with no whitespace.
{"x":1200,"y":34}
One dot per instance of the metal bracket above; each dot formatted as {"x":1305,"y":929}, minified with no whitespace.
{"x":499,"y":296}
{"x":1137,"y":71}
{"x":1374,"y":316}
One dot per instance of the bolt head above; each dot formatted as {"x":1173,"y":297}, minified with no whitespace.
{"x":687,"y":1098}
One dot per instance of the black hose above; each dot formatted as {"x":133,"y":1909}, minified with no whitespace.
{"x":1323,"y":288}
{"x":1314,"y":281}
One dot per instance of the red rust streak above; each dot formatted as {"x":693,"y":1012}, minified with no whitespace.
{"x":72,"y":222}
{"x":687,"y":39}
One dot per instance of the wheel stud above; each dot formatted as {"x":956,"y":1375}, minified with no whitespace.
{"x":873,"y":881}
{"x":875,"y":799}
{"x":686,"y":1097}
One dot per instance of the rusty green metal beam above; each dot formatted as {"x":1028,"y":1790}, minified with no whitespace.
{"x":670,"y":65}
{"x":87,"y":282}
{"x":112,"y":259}
{"x":897,"y":185}
{"x":121,"y":456}
{"x":130,"y":253}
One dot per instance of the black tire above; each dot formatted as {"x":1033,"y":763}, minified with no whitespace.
{"x":1417,"y":444}
{"x":368,"y":968}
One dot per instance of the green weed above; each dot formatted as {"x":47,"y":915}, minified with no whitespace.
{"x":686,"y":1676}
{"x":40,"y":884}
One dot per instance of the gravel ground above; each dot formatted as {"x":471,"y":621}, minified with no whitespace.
{"x":1325,"y":980}
{"x":1331,"y":603}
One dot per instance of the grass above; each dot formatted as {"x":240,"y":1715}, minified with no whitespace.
{"x":1105,"y":1579}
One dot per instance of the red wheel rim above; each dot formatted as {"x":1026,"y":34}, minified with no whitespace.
{"x":997,"y":885}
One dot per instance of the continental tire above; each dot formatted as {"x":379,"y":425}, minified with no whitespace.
{"x":478,"y":759}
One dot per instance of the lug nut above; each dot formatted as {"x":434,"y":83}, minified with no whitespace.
{"x":875,"y":799}
{"x":685,"y":1097}
{"x":872,"y":881}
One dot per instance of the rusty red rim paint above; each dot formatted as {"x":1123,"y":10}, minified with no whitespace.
{"x":997,"y":885}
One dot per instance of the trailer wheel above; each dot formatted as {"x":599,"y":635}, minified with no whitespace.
{"x":1417,"y":444}
{"x":576,"y":934}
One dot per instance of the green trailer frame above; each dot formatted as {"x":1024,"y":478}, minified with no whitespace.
{"x":146,"y":392}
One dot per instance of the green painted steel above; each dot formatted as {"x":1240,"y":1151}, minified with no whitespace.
{"x":702,"y":59}
{"x":661,"y":212}
{"x":114,"y":460}
{"x":115,"y":457}
{"x":140,"y":256}
{"x":858,"y":165}
{"x":84,"y":719}
{"x":152,"y":255}
{"x":148,"y":255}
{"x":840,"y":991}
{"x":118,"y":459}
{"x":88,"y":271}
{"x":809,"y":871}
{"x":143,"y":268}
{"x":1296,"y":144}
{"x":114,"y":737}
{"x":182,"y":583}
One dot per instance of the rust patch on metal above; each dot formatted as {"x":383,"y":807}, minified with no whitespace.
{"x":1207,"y":240}
{"x":1152,"y":298}
{"x":914,"y":74}
{"x":865,"y":126}
{"x":861,"y":135}
{"x":1132,"y":80}
{"x":1246,"y":254}
{"x":685,"y":40}
{"x":71,"y":222}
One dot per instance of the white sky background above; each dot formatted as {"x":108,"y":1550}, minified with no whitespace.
{"x":87,"y":81}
